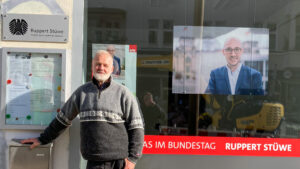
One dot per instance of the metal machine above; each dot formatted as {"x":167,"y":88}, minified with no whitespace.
{"x":22,"y":157}
{"x":244,"y":115}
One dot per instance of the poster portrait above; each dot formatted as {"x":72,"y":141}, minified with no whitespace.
{"x":124,"y":62}
{"x":220,"y":60}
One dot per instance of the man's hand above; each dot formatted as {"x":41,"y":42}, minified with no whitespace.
{"x":129,"y":164}
{"x":34,"y":142}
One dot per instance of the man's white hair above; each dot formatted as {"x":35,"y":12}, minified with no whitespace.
{"x":102,"y":52}
{"x":105,"y":53}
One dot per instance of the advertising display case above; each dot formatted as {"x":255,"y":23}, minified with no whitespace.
{"x":33,"y":87}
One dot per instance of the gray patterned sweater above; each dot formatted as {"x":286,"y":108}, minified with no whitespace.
{"x":111,"y":124}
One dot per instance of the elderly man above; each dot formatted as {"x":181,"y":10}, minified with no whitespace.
{"x":234,"y":78}
{"x":112,"y":128}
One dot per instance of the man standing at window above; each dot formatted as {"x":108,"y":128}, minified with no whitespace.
{"x":111,"y":124}
{"x":234,"y":78}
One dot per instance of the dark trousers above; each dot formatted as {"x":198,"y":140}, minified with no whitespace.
{"x":116,"y":164}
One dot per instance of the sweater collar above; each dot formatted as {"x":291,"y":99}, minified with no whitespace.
{"x":104,"y":85}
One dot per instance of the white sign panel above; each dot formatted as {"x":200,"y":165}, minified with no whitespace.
{"x":40,"y":28}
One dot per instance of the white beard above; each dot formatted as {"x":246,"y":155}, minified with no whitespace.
{"x":101,"y":77}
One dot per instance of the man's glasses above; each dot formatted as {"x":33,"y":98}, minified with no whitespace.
{"x":236,"y":50}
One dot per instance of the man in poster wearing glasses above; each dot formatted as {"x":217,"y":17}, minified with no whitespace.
{"x":234,"y":78}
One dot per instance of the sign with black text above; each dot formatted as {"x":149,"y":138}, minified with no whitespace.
{"x":37,"y":28}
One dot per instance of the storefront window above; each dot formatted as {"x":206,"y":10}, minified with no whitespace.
{"x":178,"y":41}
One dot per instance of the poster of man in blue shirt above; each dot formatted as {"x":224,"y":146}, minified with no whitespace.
{"x":234,"y":78}
{"x":220,"y":60}
{"x":116,"y":62}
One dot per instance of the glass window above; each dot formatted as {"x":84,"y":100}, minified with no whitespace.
{"x":152,"y":37}
{"x":151,"y":24}
{"x":168,"y":38}
{"x":168,"y":24}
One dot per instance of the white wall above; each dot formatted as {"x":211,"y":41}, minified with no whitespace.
{"x":61,"y":153}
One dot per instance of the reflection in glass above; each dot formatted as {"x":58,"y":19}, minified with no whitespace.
{"x":151,"y":26}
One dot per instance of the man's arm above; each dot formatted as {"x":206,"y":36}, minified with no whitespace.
{"x":50,"y":133}
{"x":135,"y":128}
{"x":136,"y":141}
{"x":58,"y":125}
{"x":258,"y":84}
{"x":162,"y":116}
{"x":211,"y":84}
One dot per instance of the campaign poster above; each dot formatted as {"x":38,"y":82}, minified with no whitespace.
{"x":220,"y":60}
{"x":124,"y":62}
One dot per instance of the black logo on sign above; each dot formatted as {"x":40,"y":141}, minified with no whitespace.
{"x":18,"y":26}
